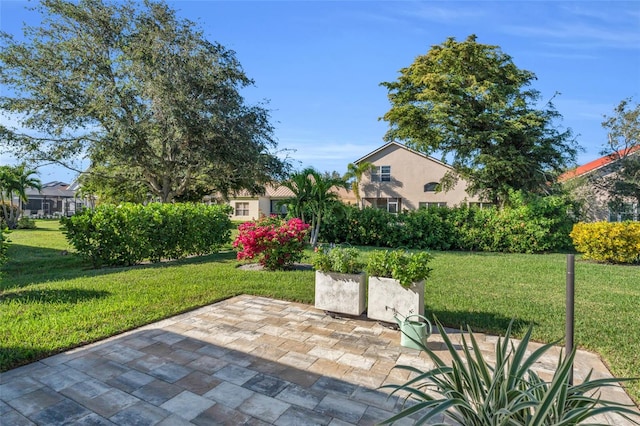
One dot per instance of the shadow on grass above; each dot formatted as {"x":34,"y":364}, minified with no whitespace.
{"x":29,"y":265}
{"x":53,"y":296}
{"x":481,"y":322}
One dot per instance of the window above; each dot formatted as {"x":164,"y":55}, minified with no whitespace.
{"x":430,"y":187}
{"x":623,"y":211}
{"x":242,"y":209}
{"x":481,"y":205}
{"x":426,"y":205}
{"x":381,"y":174}
{"x":278,"y":210}
{"x":392,"y":205}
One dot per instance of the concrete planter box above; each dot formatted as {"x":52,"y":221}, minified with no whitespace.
{"x":386,"y":294}
{"x":342,"y":293}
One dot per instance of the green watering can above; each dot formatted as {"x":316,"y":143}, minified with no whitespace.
{"x":413,"y":332}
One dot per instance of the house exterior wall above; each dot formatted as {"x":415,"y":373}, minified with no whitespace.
{"x":410,"y":172}
{"x":253,"y":209}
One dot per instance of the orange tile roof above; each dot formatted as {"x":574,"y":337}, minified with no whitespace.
{"x":598,"y":163}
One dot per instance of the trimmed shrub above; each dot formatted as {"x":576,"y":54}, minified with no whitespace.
{"x":608,"y":242}
{"x":275,"y":243}
{"x":527,"y":225}
{"x":26,"y":223}
{"x":128,"y":234}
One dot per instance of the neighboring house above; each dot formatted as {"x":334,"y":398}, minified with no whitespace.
{"x":252,"y":207}
{"x":54,"y":199}
{"x":407,"y":179}
{"x":583,"y":183}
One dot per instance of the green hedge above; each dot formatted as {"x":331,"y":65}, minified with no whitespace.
{"x":535,"y":225}
{"x":128,"y":234}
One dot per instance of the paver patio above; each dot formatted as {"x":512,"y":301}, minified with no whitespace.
{"x":245,"y":360}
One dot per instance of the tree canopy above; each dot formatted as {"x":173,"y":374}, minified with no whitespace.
{"x":139,"y":92}
{"x":624,"y":145}
{"x":471,"y":103}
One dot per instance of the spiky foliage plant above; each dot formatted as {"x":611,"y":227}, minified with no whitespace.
{"x":473,"y":392}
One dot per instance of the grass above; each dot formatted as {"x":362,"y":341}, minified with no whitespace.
{"x":51,"y":301}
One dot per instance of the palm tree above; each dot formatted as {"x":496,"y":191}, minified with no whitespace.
{"x":15,"y":181}
{"x":314,"y":195}
{"x":355,"y":172}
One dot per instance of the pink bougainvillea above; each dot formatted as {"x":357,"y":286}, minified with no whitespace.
{"x":275,"y":243}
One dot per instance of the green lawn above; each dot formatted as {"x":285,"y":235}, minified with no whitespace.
{"x":51,"y":301}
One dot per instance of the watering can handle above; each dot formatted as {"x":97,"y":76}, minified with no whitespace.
{"x":429,"y":328}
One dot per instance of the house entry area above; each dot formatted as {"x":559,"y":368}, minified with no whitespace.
{"x":392,"y":205}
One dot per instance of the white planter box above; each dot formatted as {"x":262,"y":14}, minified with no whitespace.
{"x":386,"y":294}
{"x":342,"y":293}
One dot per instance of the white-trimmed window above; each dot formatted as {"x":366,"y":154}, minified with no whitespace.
{"x":427,"y":204}
{"x":242,"y":209}
{"x":381,"y":174}
{"x":481,"y":205}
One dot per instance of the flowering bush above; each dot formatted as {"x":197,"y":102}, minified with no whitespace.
{"x":275,"y":243}
{"x":608,"y":242}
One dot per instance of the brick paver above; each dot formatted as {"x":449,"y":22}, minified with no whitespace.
{"x":245,"y":360}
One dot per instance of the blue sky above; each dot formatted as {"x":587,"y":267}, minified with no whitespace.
{"x":319,"y":63}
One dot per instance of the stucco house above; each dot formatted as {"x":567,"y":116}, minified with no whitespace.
{"x":585,"y":184}
{"x":251,"y":207}
{"x":54,"y":199}
{"x":406,"y":179}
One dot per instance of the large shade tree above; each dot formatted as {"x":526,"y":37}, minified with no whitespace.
{"x":623,"y":135}
{"x":471,"y":103}
{"x":139,"y":92}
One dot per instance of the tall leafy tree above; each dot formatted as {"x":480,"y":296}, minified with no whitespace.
{"x":354,"y":176}
{"x":314,"y":196}
{"x":470,"y":102}
{"x":624,"y":146}
{"x":141,"y":93}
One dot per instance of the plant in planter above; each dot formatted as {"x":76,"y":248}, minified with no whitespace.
{"x":340,"y":281}
{"x":396,"y":283}
{"x":470,"y":391}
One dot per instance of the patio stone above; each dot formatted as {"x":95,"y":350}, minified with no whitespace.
{"x":220,"y":414}
{"x":296,"y":416}
{"x":14,"y":418}
{"x":263,"y":407}
{"x":17,"y":387}
{"x":62,"y":413}
{"x":140,"y":414}
{"x":229,"y":394}
{"x":344,"y":409}
{"x":131,"y":381}
{"x":157,"y":392}
{"x":265,"y":385}
{"x":301,"y":396}
{"x":234,"y":374}
{"x":334,"y":386}
{"x":33,"y":402}
{"x":187,"y":405}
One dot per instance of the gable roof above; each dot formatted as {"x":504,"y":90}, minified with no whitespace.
{"x":597,"y":163}
{"x":394,"y":143}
